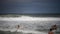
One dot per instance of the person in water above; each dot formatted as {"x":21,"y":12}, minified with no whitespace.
{"x":18,"y":26}
{"x":50,"y":31}
{"x":54,"y":27}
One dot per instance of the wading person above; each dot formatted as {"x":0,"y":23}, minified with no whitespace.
{"x":50,"y":31}
{"x":54,"y":27}
{"x":17,"y":27}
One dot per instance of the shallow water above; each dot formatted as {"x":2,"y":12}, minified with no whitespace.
{"x":20,"y":32}
{"x":32,"y":25}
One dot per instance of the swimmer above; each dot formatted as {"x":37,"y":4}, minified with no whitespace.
{"x":50,"y":31}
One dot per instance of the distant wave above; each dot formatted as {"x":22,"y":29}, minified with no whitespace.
{"x":28,"y":18}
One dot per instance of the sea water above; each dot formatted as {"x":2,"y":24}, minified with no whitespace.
{"x":28,"y":25}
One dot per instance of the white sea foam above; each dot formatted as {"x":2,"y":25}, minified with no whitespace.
{"x":28,"y":18}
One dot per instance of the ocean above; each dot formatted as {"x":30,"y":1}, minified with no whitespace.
{"x":28,"y":24}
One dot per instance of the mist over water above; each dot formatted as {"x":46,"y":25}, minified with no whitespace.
{"x":37,"y":25}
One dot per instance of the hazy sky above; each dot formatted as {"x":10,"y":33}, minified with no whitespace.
{"x":30,"y":6}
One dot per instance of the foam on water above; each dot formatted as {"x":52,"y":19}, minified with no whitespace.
{"x":28,"y":18}
{"x":31,"y":21}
